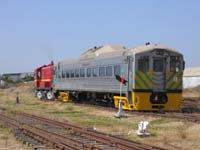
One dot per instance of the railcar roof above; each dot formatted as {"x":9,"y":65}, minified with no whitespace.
{"x":103,"y":51}
{"x":144,"y":48}
{"x":114,"y":50}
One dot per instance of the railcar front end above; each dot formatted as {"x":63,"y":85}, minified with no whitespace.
{"x":157,"y":79}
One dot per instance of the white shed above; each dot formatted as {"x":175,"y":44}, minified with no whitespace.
{"x":191,"y":77}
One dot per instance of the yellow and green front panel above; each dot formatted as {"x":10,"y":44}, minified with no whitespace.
{"x":174,"y":81}
{"x":143,"y":80}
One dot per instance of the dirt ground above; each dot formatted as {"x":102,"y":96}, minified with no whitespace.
{"x":8,"y":141}
{"x":165,"y":132}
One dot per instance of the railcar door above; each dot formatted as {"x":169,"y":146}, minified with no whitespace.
{"x":159,"y":74}
{"x":130,"y":78}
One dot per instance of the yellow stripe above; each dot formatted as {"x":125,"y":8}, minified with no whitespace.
{"x":139,"y":81}
{"x":179,"y":80}
{"x":43,"y":80}
{"x":169,"y":83}
{"x":145,"y":79}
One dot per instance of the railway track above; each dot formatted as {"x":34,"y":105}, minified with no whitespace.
{"x":65,"y":136}
{"x":193,"y":114}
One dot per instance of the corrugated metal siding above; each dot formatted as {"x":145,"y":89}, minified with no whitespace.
{"x":191,"y":77}
{"x":189,"y":82}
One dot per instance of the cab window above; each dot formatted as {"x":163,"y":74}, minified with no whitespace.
{"x":39,"y":74}
{"x":174,"y":64}
{"x":158,"y":65}
{"x":143,"y":64}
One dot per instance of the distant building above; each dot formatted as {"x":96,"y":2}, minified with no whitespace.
{"x":17,"y":76}
{"x":191,"y":77}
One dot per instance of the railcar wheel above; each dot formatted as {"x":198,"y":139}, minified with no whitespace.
{"x":49,"y":95}
{"x":39,"y":95}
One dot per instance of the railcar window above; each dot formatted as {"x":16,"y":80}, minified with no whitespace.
{"x":94,"y":72}
{"x":109,"y":71}
{"x":56,"y":74}
{"x":89,"y":72}
{"x":67,"y":74}
{"x":158,"y":65}
{"x":143,"y":64}
{"x":82,"y":72}
{"x":72,"y":73}
{"x":59,"y":74}
{"x":76,"y":73}
{"x":63,"y":74}
{"x":117,"y":70}
{"x":102,"y":71}
{"x":174,"y":64}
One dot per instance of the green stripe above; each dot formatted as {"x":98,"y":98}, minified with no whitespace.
{"x":170,"y":77}
{"x":175,"y":82}
{"x":178,"y":86}
{"x":137,"y":83}
{"x":142,"y":80}
{"x":147,"y":76}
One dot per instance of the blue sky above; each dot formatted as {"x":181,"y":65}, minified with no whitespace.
{"x":34,"y":32}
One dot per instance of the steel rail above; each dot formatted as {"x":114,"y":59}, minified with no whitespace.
{"x":101,"y":137}
{"x":59,"y":141}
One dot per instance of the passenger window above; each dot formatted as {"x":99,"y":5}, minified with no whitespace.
{"x":174,"y":64}
{"x":67,"y":74}
{"x":143,"y":64}
{"x":63,"y":74}
{"x":76,"y":73}
{"x":59,"y":74}
{"x":82,"y":72}
{"x":158,"y":65}
{"x":94,"y":72}
{"x":117,"y":70}
{"x":101,"y":71}
{"x":88,"y":72}
{"x":72,"y":73}
{"x":109,"y":71}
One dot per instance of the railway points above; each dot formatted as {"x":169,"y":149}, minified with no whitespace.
{"x":36,"y":130}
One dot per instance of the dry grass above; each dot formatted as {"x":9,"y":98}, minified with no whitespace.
{"x":192,"y":92}
{"x":8,"y":141}
{"x":165,"y":132}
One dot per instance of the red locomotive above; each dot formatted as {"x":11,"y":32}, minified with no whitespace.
{"x":43,"y":82}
